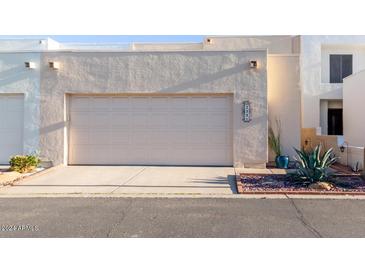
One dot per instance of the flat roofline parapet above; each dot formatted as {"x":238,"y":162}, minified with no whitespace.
{"x":132,"y":51}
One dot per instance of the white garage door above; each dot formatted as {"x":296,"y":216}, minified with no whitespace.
{"x":11,"y":126}
{"x":151,"y":130}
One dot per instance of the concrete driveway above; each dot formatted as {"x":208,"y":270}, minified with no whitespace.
{"x":128,"y":180}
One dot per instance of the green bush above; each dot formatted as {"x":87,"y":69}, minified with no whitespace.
{"x":312,"y":166}
{"x":24,"y":163}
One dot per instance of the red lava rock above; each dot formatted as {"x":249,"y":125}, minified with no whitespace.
{"x":285,"y":183}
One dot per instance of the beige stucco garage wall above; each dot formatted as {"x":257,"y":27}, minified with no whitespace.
{"x":158,"y":72}
{"x":284,"y":99}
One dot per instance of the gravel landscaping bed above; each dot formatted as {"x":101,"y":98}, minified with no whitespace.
{"x":8,"y":177}
{"x":277,"y":183}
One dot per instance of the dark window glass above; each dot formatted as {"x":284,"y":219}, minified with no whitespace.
{"x":340,"y":67}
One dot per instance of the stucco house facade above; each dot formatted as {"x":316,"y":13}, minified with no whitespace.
{"x":206,"y":103}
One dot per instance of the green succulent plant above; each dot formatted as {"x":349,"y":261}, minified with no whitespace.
{"x":312,"y":166}
{"x":24,"y":163}
{"x":274,"y":139}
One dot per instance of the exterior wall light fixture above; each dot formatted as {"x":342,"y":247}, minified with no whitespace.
{"x":54,"y":65}
{"x":30,"y":65}
{"x":253,"y":64}
{"x":209,"y":41}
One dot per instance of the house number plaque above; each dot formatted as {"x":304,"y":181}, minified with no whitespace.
{"x":246,"y":111}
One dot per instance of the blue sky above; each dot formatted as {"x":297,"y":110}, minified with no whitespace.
{"x":115,"y":38}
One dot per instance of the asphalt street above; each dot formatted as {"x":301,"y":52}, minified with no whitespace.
{"x":181,"y":217}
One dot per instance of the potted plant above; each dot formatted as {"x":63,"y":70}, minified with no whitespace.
{"x":281,"y":161}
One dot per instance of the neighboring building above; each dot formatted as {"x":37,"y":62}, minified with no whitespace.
{"x":175,"y":104}
{"x":325,"y":62}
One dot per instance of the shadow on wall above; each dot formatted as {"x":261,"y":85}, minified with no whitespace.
{"x":12,"y":76}
{"x":53,"y":127}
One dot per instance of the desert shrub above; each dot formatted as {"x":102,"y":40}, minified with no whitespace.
{"x":312,"y":166}
{"x":24,"y":163}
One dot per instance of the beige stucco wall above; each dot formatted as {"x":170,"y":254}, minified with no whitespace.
{"x":275,"y":44}
{"x":15,"y":78}
{"x":284,"y":99}
{"x":156,"y":73}
{"x":350,"y":156}
{"x":166,"y":46}
{"x":354,"y":109}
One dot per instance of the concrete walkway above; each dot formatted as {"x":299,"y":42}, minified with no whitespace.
{"x":128,"y":180}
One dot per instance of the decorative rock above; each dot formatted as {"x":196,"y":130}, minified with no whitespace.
{"x":321,"y":185}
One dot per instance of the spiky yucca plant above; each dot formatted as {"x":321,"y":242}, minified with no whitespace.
{"x":274,"y":139}
{"x":313,"y":166}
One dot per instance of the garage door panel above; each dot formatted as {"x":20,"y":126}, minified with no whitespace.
{"x":199,"y":120}
{"x":10,"y":137}
{"x":178,"y":120}
{"x":169,"y":130}
{"x":100,"y":137}
{"x":80,"y":119}
{"x":100,"y":103}
{"x":198,"y":103}
{"x":11,"y":126}
{"x":200,"y":137}
{"x":138,"y":156}
{"x":12,"y":121}
{"x":9,"y":150}
{"x":158,"y":138}
{"x":120,"y":120}
{"x":158,"y":156}
{"x":159,"y":103}
{"x":14,"y":104}
{"x":220,"y":138}
{"x":99,"y":120}
{"x":140,"y":103}
{"x":100,"y":152}
{"x":220,"y":120}
{"x":79,"y":136}
{"x":219,"y":103}
{"x":121,"y":104}
{"x":120,"y":137}
{"x":178,"y":103}
{"x":80,"y":154}
{"x":139,"y":121}
{"x":139,"y":138}
{"x":80,"y":103}
{"x":158,"y":120}
{"x":178,"y":138}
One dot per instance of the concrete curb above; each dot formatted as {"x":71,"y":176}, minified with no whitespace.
{"x":182,"y":196}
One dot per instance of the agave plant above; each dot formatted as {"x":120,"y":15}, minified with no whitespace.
{"x":312,"y":166}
